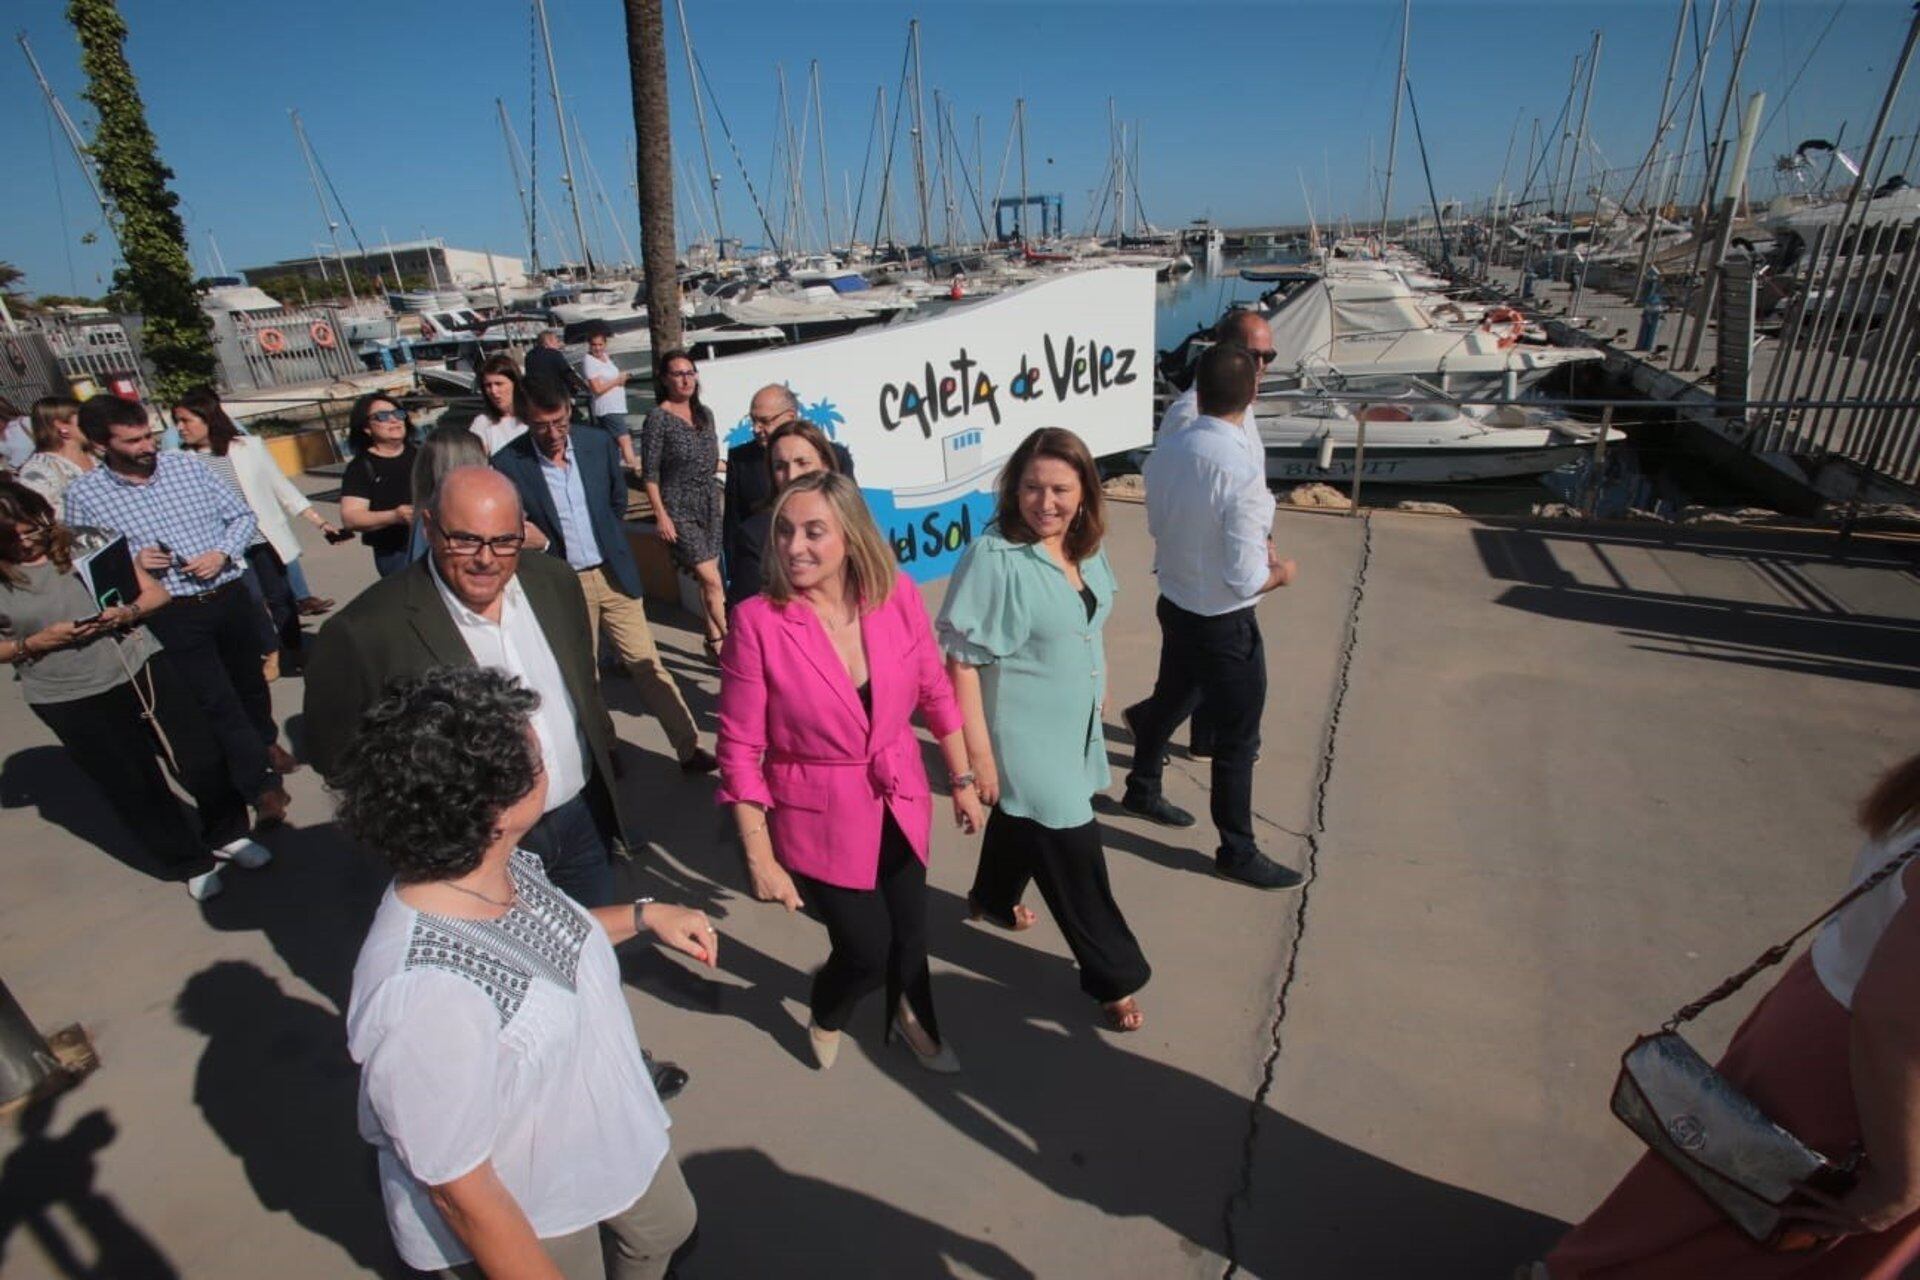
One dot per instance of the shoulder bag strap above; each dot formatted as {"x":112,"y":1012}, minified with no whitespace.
{"x":1775,"y":954}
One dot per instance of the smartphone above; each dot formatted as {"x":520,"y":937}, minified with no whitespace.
{"x":339,"y":535}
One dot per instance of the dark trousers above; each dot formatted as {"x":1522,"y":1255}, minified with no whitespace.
{"x":1071,"y":868}
{"x":386,"y":563}
{"x":879,"y":938}
{"x":1219,"y":660}
{"x":573,"y":848}
{"x":282,"y":629}
{"x":213,"y":643}
{"x":112,"y":743}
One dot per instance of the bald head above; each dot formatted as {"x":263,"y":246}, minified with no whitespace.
{"x":474,"y":511}
{"x":774,"y":405}
{"x":475,"y":492}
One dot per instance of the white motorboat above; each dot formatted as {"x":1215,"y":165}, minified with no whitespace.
{"x":1381,"y":328}
{"x":1415,"y":435}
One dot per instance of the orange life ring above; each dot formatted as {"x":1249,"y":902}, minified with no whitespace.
{"x":322,"y":334}
{"x":271,"y":341}
{"x":1516,"y":325}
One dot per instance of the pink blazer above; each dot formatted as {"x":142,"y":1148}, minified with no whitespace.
{"x":795,"y":738}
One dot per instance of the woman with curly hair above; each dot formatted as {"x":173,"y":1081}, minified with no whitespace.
{"x":501,"y":1083}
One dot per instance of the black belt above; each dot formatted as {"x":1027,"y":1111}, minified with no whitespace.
{"x":210,"y":595}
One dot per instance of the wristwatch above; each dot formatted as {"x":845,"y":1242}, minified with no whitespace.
{"x":960,"y":781}
{"x":639,"y":905}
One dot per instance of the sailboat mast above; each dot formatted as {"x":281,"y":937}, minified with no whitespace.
{"x":1020,"y":114}
{"x":1393,"y":132}
{"x":820,"y":143}
{"x":566,"y":148}
{"x":319,"y":194}
{"x":519,"y":183}
{"x":74,"y":140}
{"x":919,"y":137}
{"x":700,"y":118}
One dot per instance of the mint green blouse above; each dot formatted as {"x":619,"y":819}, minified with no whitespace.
{"x":1011,"y":612}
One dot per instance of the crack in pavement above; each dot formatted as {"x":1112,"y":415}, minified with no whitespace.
{"x":1243,"y":1190}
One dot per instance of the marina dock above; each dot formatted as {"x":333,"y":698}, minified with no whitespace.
{"x":1549,"y":784}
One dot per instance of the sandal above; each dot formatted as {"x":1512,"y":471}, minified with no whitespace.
{"x":1023,"y":917}
{"x":1123,"y":1015}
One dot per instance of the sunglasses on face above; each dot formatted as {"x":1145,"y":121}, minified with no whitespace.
{"x":1264,"y":357}
{"x":387,"y":415}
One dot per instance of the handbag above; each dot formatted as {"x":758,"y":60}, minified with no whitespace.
{"x":1698,"y":1122}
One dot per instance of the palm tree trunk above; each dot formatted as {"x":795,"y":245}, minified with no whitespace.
{"x":647,"y":65}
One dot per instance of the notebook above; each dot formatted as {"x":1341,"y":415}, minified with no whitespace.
{"x":108,"y":574}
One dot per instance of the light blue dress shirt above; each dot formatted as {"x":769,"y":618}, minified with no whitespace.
{"x":570,"y":503}
{"x":1011,"y":612}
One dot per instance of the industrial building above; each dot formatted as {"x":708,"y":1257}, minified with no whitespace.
{"x":431,"y":261}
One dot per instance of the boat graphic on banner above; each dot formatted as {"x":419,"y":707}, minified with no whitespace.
{"x":931,"y":409}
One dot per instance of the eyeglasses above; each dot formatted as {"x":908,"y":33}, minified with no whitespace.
{"x":770,"y":419}
{"x":469,"y":544}
{"x":682,"y":373}
{"x":387,"y":415}
{"x":1264,"y":357}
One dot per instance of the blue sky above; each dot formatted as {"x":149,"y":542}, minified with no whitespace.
{"x":1235,"y":103}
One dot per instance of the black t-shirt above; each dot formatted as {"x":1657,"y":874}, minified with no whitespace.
{"x":385,"y":483}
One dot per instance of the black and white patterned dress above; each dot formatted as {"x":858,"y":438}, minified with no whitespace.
{"x":683,"y":459}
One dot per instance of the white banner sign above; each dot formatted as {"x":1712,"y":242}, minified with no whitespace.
{"x":931,"y":409}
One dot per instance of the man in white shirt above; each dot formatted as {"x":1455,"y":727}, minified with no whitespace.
{"x":1211,"y":518}
{"x":1248,"y":328}
{"x":475,"y":600}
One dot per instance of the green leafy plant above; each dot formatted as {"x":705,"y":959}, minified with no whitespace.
{"x":157,"y":276}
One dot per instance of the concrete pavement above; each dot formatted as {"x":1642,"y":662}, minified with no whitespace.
{"x":1573,"y":781}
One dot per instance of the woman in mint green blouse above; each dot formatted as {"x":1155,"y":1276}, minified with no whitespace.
{"x":1021,"y":628}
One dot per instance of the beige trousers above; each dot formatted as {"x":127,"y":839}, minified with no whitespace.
{"x":625,"y":621}
{"x":634,"y":1245}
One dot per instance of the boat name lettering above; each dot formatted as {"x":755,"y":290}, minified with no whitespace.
{"x":936,"y":533}
{"x":935,"y":397}
{"x":1073,"y":369}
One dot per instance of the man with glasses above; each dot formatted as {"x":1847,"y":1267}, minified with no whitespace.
{"x":477,"y":600}
{"x":571,"y":486}
{"x":1248,"y":329}
{"x":749,"y":493}
{"x":1211,"y":518}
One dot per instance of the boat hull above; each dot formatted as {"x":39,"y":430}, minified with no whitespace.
{"x":1389,"y":464}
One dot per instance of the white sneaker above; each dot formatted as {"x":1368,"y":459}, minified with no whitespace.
{"x":205,"y":885}
{"x":248,"y":855}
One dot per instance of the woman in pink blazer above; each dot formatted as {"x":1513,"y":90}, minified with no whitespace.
{"x":819,"y":679}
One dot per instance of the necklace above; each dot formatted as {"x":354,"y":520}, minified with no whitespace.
{"x":512,"y":897}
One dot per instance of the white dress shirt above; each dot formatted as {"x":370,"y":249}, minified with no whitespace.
{"x":517,"y":646}
{"x":1186,"y":407}
{"x":1210,"y":515}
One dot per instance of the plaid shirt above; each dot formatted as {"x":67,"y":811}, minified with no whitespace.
{"x":184,"y":505}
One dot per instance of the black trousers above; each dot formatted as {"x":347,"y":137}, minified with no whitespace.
{"x":112,"y":743}
{"x":1071,"y":868}
{"x":879,"y":937}
{"x":1222,"y":660}
{"x":213,"y":643}
{"x":282,"y":632}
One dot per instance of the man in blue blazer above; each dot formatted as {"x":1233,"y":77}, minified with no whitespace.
{"x":575,"y":495}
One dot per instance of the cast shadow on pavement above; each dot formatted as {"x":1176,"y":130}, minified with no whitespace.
{"x":761,"y":1220}
{"x":276,"y":1085}
{"x":1081,"y":1112}
{"x":46,"y":778}
{"x":48,"y":1172}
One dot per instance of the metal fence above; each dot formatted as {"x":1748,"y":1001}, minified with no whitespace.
{"x":77,"y":358}
{"x":259,"y":350}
